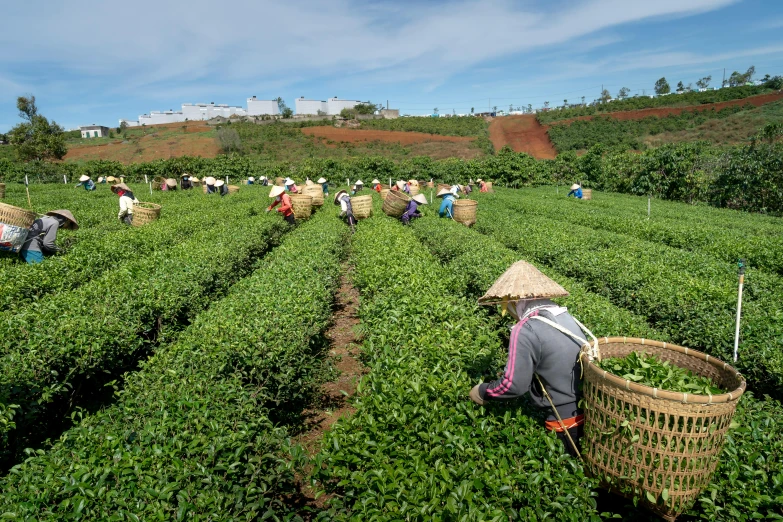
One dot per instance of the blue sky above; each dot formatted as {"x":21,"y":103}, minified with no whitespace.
{"x":95,"y":62}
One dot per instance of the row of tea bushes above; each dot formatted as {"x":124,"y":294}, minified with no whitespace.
{"x":196,"y":433}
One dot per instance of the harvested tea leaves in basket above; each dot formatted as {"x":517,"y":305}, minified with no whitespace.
{"x":649,"y":370}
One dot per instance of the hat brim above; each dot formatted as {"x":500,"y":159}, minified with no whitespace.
{"x":70,"y":221}
{"x":522,"y":281}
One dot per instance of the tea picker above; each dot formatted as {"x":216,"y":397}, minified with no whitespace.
{"x":346,"y":210}
{"x":43,"y":233}
{"x":544,"y":347}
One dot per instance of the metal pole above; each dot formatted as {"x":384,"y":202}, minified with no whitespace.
{"x":739,"y":306}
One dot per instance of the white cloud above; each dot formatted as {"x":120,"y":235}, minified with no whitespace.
{"x":145,"y":44}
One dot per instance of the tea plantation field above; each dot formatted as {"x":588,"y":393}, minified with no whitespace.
{"x":166,"y":372}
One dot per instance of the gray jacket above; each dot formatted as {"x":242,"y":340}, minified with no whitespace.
{"x":42,"y":235}
{"x":536,"y":347}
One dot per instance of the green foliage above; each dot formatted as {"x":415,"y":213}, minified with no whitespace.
{"x":630,"y":134}
{"x":649,"y":370}
{"x":201,"y":431}
{"x":646,"y":102}
{"x":459,"y":126}
{"x":36,"y":138}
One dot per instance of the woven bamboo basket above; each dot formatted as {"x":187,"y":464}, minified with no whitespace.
{"x":233,"y":189}
{"x":414,"y":190}
{"x":15,"y":216}
{"x":2,"y":190}
{"x":158,"y":182}
{"x":362,"y":206}
{"x":279,"y":181}
{"x":587,"y":193}
{"x":394,"y":203}
{"x":302,"y":205}
{"x":465,"y":211}
{"x":316,"y":192}
{"x":144,"y":213}
{"x":680,"y":436}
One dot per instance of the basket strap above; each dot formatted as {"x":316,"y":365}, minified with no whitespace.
{"x":593,"y":352}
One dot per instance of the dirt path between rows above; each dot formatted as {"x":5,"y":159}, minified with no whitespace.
{"x":334,"y":404}
{"x":522,"y":134}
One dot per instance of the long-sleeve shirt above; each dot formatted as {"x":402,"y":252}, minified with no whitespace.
{"x":285,"y":205}
{"x":538,"y":348}
{"x":126,"y":205}
{"x":577,"y":193}
{"x":42,"y":235}
{"x":447,"y":206}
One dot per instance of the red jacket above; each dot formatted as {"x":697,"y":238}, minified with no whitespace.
{"x":285,"y":205}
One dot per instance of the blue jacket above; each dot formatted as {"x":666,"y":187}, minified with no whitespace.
{"x":577,"y":193}
{"x":447,"y":206}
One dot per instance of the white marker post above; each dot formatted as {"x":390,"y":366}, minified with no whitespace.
{"x":739,"y":307}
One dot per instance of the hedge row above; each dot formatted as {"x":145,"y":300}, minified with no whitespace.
{"x":416,"y":448}
{"x":71,"y":339}
{"x":92,"y":252}
{"x":688,"y":294}
{"x":192,"y":436}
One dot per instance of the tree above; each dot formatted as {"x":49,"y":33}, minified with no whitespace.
{"x":623,"y":94}
{"x":680,"y":88}
{"x":366,"y":108}
{"x":704,"y":82}
{"x":605,"y":96}
{"x":662,"y":87}
{"x":36,"y":138}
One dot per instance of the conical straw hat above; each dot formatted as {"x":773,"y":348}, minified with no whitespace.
{"x":522,"y":281}
{"x":71,"y":221}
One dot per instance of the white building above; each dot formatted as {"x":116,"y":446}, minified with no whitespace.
{"x":336,"y":105}
{"x":310,"y":107}
{"x":94,"y":131}
{"x":256,"y":107}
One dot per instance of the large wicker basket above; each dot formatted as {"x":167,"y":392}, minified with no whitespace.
{"x":144,"y":213}
{"x":394,"y":203}
{"x":233,"y":189}
{"x":2,"y":190}
{"x":302,"y":205}
{"x":671,"y":442}
{"x":15,"y":216}
{"x":317,"y":193}
{"x":362,"y":206}
{"x":465,"y":211}
{"x":587,"y":193}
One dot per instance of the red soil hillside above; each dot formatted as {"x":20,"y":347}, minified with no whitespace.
{"x":522,"y":134}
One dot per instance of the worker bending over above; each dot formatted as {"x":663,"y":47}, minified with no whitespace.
{"x":544,"y":351}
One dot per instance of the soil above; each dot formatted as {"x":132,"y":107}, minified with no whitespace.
{"x":364,"y":135}
{"x":334,"y":404}
{"x":661,"y":112}
{"x":523,"y":134}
